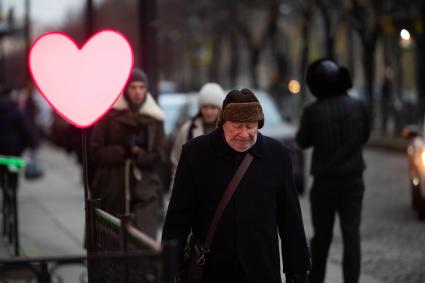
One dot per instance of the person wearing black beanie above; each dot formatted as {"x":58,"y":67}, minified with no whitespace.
{"x":336,"y":126}
{"x":135,"y":91}
{"x":125,"y":147}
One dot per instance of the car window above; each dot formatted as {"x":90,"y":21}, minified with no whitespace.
{"x":172,"y":105}
{"x":178,"y":108}
{"x":271,"y":114}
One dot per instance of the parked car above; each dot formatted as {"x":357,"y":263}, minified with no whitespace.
{"x":180,"y":107}
{"x":416,"y":167}
{"x":177,"y":108}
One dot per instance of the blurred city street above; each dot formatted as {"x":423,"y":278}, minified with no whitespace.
{"x":372,"y":59}
{"x":52,"y":220}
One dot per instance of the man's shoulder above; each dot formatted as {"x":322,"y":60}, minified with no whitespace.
{"x":273,"y":145}
{"x":200,"y":141}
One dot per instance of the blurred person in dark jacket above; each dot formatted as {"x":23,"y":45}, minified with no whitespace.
{"x":16,"y":133}
{"x":125,"y":146}
{"x":245,"y":247}
{"x":336,"y":126}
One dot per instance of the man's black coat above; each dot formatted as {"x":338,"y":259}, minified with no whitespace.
{"x":265,"y":203}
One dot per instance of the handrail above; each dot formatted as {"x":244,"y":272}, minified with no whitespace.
{"x":133,"y":232}
{"x":110,"y":218}
{"x":140,"y":236}
{"x":9,"y":169}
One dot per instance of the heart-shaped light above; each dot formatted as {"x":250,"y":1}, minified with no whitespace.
{"x":81,"y":84}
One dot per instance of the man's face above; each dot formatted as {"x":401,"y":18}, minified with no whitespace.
{"x":210,"y":113}
{"x":240,"y":136}
{"x":136,"y":92}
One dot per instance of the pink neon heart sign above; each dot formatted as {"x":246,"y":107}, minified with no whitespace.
{"x":81,"y":84}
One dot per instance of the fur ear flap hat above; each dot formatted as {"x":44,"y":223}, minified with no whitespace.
{"x":241,"y":106}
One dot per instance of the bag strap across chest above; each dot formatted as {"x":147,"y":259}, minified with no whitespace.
{"x":231,"y":188}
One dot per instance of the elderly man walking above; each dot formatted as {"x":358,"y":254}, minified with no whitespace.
{"x":241,"y":244}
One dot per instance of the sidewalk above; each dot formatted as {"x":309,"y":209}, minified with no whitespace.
{"x":51,"y":215}
{"x":51,"y":209}
{"x":392,"y":143}
{"x":334,"y":268}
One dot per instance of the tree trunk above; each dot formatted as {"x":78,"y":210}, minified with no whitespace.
{"x":329,"y":37}
{"x":234,"y":59}
{"x":420,"y":68}
{"x":255,"y":58}
{"x":214,"y":68}
{"x":369,"y":73}
{"x":305,"y":51}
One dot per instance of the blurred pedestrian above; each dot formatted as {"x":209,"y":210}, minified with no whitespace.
{"x":210,"y":99}
{"x":336,"y":126}
{"x":31,"y":103}
{"x":244,"y":247}
{"x":16,"y":133}
{"x":125,"y":147}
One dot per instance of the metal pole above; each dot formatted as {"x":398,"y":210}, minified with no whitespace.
{"x":88,"y":203}
{"x":89,"y":18}
{"x":2,"y":53}
{"x":14,"y":188}
{"x":27,"y":35}
{"x":85,"y":164}
{"x":148,"y":23}
{"x":88,"y":234}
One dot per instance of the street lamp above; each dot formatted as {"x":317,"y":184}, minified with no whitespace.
{"x":294,"y":86}
{"x":405,"y":34}
{"x":405,"y":38}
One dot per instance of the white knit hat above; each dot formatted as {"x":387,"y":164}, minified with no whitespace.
{"x":211,"y":94}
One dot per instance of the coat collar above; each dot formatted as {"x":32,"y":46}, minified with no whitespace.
{"x":149,"y":108}
{"x":222,"y":148}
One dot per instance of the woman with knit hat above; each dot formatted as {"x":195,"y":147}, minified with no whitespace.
{"x":210,"y":99}
{"x":125,"y":146}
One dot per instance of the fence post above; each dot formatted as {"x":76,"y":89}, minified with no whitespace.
{"x":169,"y":259}
{"x":13,"y":186}
{"x":125,"y":223}
{"x":91,"y":243}
{"x":44,"y":276}
{"x":3,"y":189}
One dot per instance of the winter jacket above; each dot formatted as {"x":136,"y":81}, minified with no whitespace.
{"x":16,"y":133}
{"x":191,"y":129}
{"x":115,"y":169}
{"x":246,"y":243}
{"x":336,"y":127}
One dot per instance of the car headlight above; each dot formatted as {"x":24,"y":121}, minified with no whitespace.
{"x":423,"y":158}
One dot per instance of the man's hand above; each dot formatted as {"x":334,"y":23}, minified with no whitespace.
{"x":135,"y":150}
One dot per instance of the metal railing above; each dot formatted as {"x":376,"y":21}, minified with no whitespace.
{"x":118,"y":252}
{"x":9,"y":169}
{"x":41,"y":270}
